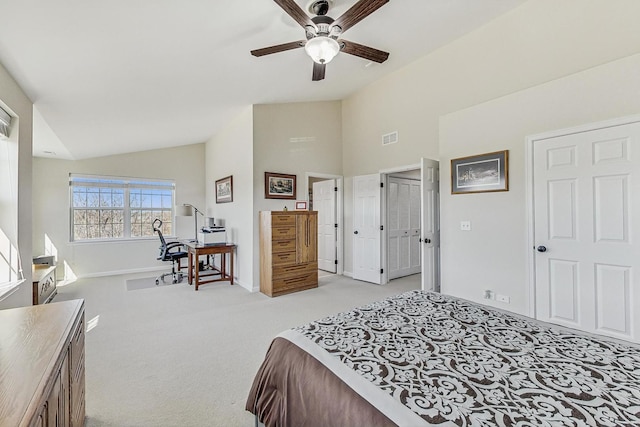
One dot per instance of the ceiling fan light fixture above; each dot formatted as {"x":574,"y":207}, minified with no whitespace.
{"x":322,"y":49}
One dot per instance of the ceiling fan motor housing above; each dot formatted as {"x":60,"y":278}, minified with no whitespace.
{"x":324,"y":27}
{"x":319,"y":7}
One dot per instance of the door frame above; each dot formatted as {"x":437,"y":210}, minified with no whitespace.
{"x":384,"y":250}
{"x":339,"y":213}
{"x":529,"y":167}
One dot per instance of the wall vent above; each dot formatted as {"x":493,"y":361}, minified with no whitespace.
{"x":299,"y":139}
{"x":390,"y":138}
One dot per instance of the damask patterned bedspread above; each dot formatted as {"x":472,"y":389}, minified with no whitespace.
{"x":457,"y":363}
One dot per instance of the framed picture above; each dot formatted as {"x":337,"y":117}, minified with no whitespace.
{"x":301,"y":205}
{"x":480,"y":173}
{"x":224,"y":190}
{"x":279,"y":186}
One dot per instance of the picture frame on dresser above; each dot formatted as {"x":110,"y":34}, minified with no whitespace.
{"x":279,"y":186}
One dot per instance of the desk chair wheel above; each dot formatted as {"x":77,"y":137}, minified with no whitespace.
{"x":157,"y":282}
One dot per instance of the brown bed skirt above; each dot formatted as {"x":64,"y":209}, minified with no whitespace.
{"x":294,"y":389}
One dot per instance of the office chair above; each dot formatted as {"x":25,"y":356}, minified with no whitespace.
{"x":169,"y":252}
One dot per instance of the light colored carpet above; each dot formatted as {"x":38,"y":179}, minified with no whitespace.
{"x":170,"y":356}
{"x":148,"y":282}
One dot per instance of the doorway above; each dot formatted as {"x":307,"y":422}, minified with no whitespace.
{"x":376,"y":228}
{"x":325,"y":196}
{"x":584,"y":233}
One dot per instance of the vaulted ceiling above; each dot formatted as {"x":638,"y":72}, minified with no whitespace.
{"x":109,"y":77}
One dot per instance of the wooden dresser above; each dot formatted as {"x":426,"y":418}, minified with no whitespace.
{"x":44,"y":283}
{"x":42,"y":365}
{"x":288,"y":251}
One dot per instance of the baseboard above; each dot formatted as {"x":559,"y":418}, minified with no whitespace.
{"x":117,"y":272}
{"x":347,"y":273}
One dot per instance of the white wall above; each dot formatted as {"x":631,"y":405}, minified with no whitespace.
{"x":274,"y":126}
{"x":231,"y":153}
{"x":15,"y":204}
{"x":184,"y":164}
{"x":495,"y":254}
{"x":538,"y":42}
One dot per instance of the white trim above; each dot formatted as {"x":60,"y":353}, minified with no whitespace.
{"x":339,"y":213}
{"x":529,"y":166}
{"x":384,"y":175}
{"x":119,"y":272}
{"x":8,"y":289}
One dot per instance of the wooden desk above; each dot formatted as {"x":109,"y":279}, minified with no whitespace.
{"x":195,"y":250}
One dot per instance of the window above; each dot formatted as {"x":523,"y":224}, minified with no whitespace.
{"x":111,"y":208}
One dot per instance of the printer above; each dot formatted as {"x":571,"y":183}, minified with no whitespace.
{"x":213,"y":235}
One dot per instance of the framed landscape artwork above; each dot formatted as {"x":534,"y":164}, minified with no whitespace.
{"x":480,"y":173}
{"x":279,"y":186}
{"x":224,"y":190}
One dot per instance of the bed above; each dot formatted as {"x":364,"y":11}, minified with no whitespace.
{"x":423,"y":358}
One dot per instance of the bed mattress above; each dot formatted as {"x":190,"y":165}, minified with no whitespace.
{"x":423,"y":358}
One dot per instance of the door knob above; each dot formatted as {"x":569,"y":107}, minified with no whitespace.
{"x":427,"y":240}
{"x":541,"y":249}
{"x":355,"y":232}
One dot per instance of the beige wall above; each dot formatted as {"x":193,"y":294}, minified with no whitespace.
{"x":15,"y":205}
{"x":231,"y":153}
{"x":274,"y":126}
{"x":495,"y":254}
{"x":538,"y":42}
{"x":185,"y":164}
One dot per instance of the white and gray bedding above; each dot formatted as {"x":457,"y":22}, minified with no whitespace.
{"x":423,"y":358}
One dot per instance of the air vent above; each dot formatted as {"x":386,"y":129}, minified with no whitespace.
{"x":390,"y":138}
{"x":299,"y":139}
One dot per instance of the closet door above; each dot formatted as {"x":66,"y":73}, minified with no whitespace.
{"x":587,"y":230}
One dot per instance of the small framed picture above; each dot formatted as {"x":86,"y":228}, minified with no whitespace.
{"x":224,"y":190}
{"x":301,"y":205}
{"x":480,"y":173}
{"x":279,"y":186}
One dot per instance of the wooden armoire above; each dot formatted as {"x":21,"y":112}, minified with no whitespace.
{"x":288,"y":251}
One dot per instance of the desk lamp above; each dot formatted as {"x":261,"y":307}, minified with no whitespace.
{"x":189,"y":210}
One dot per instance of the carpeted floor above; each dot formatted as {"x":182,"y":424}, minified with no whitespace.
{"x":170,"y":356}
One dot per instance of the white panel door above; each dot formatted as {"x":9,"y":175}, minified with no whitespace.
{"x":366,"y":228}
{"x":586,"y":238}
{"x":324,"y":201}
{"x":430,"y":209}
{"x":403,"y":227}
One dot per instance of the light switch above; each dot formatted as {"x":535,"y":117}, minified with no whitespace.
{"x":465,"y":225}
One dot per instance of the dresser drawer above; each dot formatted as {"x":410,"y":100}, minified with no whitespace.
{"x":294,"y":283}
{"x":282,"y":219}
{"x":283,"y":245}
{"x":295,"y":270}
{"x":283,"y":233}
{"x":280,"y":258}
{"x":77,"y":346}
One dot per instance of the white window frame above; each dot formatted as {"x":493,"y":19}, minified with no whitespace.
{"x":126,"y":184}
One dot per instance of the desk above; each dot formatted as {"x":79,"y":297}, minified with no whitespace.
{"x":195,"y":249}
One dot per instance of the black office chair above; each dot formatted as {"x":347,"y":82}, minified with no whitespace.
{"x":172,"y":251}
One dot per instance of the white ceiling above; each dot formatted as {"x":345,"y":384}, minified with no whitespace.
{"x":117,"y":76}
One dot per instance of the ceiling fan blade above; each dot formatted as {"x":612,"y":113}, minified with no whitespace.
{"x":318,"y":71}
{"x":277,"y":48}
{"x":294,"y":11}
{"x":358,"y":12}
{"x":363,"y":51}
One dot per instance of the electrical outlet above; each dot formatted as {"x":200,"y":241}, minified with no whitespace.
{"x":503,"y":298}
{"x":465,"y":225}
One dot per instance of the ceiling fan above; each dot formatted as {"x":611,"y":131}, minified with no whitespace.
{"x":322,"y":32}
